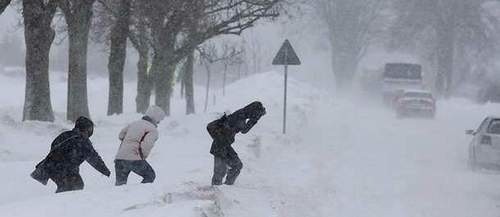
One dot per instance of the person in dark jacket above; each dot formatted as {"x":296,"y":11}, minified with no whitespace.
{"x":223,"y":131}
{"x":67,"y":152}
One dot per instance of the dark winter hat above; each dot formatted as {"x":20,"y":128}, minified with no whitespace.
{"x":83,"y":123}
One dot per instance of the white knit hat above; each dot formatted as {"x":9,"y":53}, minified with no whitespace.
{"x":155,"y":113}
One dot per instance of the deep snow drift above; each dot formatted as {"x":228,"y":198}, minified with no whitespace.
{"x":349,"y":158}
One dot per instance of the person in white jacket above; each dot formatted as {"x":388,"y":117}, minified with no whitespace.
{"x":137,"y":140}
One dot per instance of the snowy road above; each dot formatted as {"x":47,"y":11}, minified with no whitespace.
{"x":366,"y":163}
{"x":341,"y":158}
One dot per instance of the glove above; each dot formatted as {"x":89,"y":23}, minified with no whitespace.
{"x":249,"y":125}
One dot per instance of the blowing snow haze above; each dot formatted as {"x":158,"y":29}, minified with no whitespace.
{"x":394,"y":110}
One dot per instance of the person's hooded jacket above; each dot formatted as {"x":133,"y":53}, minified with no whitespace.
{"x":224,"y":129}
{"x":139,"y":137}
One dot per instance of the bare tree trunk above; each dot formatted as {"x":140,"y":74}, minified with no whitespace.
{"x":163,"y":71}
{"x":207,"y":90}
{"x":117,"y":58}
{"x":239,"y":71}
{"x":224,"y":80}
{"x":344,"y":68}
{"x":3,"y":5}
{"x":340,"y":76}
{"x":189,"y":84}
{"x":446,"y":50}
{"x":144,"y":83}
{"x":38,"y":37}
{"x":144,"y":74}
{"x":255,"y":62}
{"x":246,"y":70}
{"x":163,"y":64}
{"x":183,"y":84}
{"x":165,"y":82}
{"x":157,"y":63}
{"x":463,"y":65}
{"x":78,"y":17}
{"x":77,"y":75}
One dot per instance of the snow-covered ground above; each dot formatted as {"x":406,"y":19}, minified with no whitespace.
{"x":345,"y":158}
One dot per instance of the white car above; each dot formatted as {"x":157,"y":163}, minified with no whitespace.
{"x":415,"y":103}
{"x":484,"y":150}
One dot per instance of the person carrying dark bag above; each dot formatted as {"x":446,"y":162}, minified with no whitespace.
{"x":223,"y":131}
{"x":67,"y":152}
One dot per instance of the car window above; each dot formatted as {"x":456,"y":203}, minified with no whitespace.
{"x":494,"y":127}
{"x":482,"y":126}
{"x":403,"y":71}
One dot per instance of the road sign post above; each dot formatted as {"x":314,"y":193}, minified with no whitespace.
{"x":284,"y":100}
{"x":286,"y":56}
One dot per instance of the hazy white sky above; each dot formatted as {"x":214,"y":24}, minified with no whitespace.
{"x":9,"y":21}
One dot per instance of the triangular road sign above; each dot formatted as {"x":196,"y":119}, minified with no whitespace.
{"x":286,"y":55}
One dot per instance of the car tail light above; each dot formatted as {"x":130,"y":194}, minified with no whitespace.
{"x":486,"y":140}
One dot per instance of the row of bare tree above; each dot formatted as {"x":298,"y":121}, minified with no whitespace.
{"x":449,"y":35}
{"x":163,"y":32}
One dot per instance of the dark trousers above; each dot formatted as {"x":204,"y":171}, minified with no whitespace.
{"x":67,"y":182}
{"x":139,"y":167}
{"x":230,"y":165}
